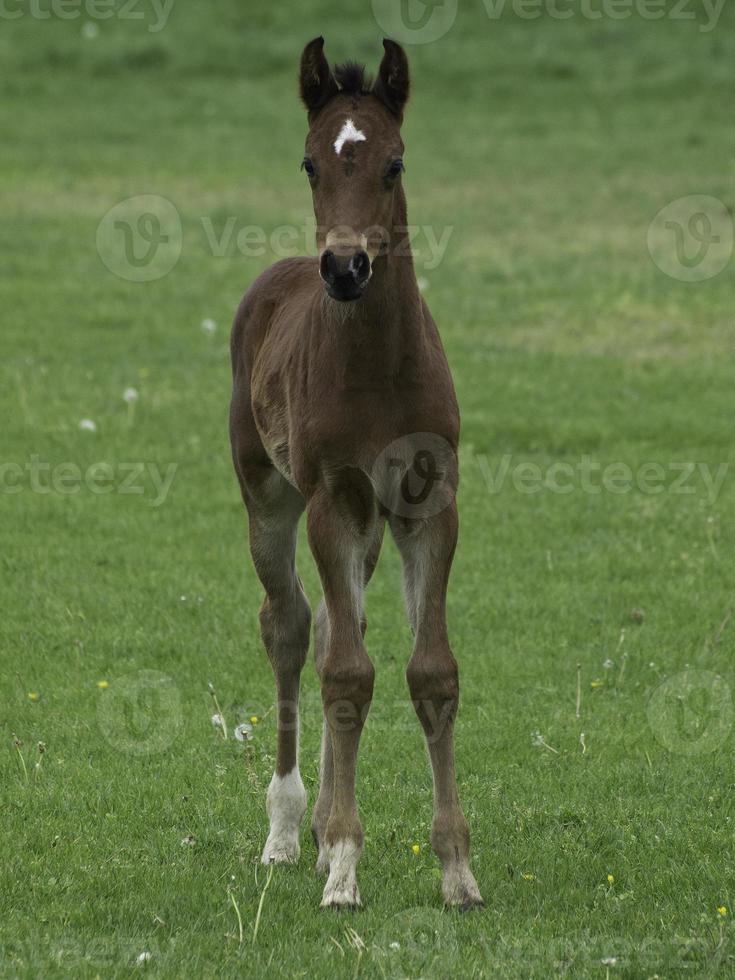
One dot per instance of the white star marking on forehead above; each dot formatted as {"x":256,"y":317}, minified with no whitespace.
{"x":349,"y":132}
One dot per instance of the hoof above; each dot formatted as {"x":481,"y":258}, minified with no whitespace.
{"x":460,"y":889}
{"x":341,"y":898}
{"x":341,"y":891}
{"x":285,"y":805}
{"x":470,"y":904}
{"x":279,"y":850}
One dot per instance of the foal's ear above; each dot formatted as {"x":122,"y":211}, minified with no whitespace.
{"x":316,"y":81}
{"x":392,"y":83}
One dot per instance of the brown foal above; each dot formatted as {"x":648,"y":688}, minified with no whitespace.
{"x":343,"y":406}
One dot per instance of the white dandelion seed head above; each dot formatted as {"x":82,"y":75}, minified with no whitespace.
{"x":217,"y":721}
{"x":608,"y":664}
{"x":131,"y":395}
{"x":609,"y":960}
{"x":538,"y":739}
{"x":244,"y":732}
{"x":87,"y":425}
{"x":209,"y":326}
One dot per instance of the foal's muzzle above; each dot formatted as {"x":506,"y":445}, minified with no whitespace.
{"x":345,"y":272}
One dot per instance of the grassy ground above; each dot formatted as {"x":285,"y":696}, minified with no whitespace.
{"x":547,"y":147}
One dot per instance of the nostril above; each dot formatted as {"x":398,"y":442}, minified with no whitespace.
{"x":326,"y":269}
{"x":360,"y":265}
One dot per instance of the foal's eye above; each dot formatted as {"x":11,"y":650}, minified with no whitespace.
{"x":308,"y":166}
{"x":396,"y":168}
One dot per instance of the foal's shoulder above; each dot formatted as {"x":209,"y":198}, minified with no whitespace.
{"x":284,"y":280}
{"x":281,"y":279}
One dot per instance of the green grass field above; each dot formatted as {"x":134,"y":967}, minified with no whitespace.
{"x":546,"y":147}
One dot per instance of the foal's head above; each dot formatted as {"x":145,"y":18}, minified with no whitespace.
{"x":354,"y":162}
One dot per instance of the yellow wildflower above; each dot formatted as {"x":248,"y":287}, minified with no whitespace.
{"x":34,"y":696}
{"x":103,"y":685}
{"x":416,"y":848}
{"x":611,"y":879}
{"x":254,"y":719}
{"x":722,"y":910}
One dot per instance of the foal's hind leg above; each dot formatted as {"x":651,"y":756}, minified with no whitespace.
{"x":427,"y":548}
{"x":274,"y":508}
{"x":323,"y":804}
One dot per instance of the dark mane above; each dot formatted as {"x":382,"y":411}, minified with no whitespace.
{"x":351,"y":78}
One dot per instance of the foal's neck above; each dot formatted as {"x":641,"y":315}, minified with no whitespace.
{"x":374,"y":337}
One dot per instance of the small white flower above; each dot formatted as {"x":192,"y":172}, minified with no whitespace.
{"x":131,"y":395}
{"x":217,"y":721}
{"x":144,"y":957}
{"x":540,"y":742}
{"x":90,"y":30}
{"x":608,"y":664}
{"x":188,"y":841}
{"x":394,"y":946}
{"x":609,"y":960}
{"x":209,"y":326}
{"x":87,"y":425}
{"x":244,"y":732}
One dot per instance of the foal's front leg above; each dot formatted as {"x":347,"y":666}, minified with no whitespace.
{"x":274,"y":508}
{"x":323,"y":806}
{"x":427,"y":548}
{"x":339,"y":538}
